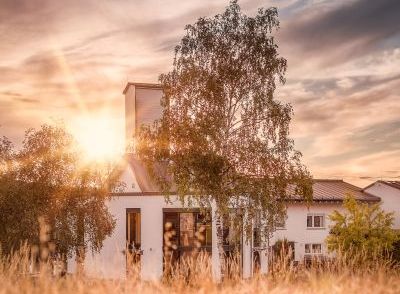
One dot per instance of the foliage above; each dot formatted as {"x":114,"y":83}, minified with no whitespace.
{"x":395,"y":251}
{"x":46,"y":180}
{"x":362,"y":227}
{"x":223,"y":137}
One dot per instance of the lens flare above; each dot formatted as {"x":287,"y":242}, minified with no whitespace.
{"x":99,"y":137}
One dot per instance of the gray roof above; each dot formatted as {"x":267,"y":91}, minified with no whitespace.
{"x":324,"y":190}
{"x":393,"y":184}
{"x":336,"y":190}
{"x":145,"y":182}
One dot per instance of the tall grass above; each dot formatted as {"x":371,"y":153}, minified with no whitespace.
{"x":344,"y":274}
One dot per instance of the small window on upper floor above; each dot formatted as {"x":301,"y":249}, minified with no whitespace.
{"x":316,"y":221}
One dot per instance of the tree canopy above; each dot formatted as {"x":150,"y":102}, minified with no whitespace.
{"x":362,"y":228}
{"x":224,"y":136}
{"x":47,"y":180}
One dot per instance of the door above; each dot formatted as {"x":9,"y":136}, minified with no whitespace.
{"x":186,"y":233}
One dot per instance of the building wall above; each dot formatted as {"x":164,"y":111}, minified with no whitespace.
{"x":110,"y":262}
{"x":148,"y":107}
{"x":390,"y":199}
{"x":142,"y":106}
{"x":296,"y":226}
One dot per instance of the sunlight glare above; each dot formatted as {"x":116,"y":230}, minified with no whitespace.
{"x":99,"y":137}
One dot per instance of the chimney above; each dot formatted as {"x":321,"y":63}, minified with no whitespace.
{"x":142,"y":106}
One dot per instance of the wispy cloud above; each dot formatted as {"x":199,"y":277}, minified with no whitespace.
{"x":63,"y":59}
{"x":351,"y":30}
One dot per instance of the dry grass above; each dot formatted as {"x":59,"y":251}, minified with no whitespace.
{"x":343,"y":275}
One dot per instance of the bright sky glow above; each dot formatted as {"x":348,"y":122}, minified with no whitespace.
{"x":99,"y":137}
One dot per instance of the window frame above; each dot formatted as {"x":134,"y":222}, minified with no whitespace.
{"x":313,"y":216}
{"x":136,"y":211}
{"x":311,"y":249}
{"x":207,"y":245}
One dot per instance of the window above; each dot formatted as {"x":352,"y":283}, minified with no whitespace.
{"x":315,"y":221}
{"x":189,"y":230}
{"x":307,"y":248}
{"x":185,"y":232}
{"x":133,"y":240}
{"x":280,"y":223}
{"x":316,"y":248}
{"x":186,"y":229}
{"x":313,"y":248}
{"x":203,"y":229}
{"x":133,"y":228}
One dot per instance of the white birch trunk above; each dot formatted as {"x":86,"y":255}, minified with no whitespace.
{"x":218,"y":259}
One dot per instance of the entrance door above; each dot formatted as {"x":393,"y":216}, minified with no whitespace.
{"x":186,"y":232}
{"x":133,"y":240}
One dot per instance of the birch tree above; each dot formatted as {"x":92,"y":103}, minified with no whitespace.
{"x":224,"y":137}
{"x":47,"y":180}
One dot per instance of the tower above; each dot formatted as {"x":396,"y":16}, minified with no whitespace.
{"x":142,"y":106}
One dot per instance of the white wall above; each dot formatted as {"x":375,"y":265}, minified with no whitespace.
{"x":390,"y":199}
{"x":296,"y":226}
{"x":110,"y":262}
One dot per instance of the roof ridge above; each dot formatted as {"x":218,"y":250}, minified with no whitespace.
{"x":393,"y":184}
{"x":141,"y":85}
{"x":328,"y":180}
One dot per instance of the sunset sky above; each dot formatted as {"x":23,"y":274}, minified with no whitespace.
{"x":70,"y":60}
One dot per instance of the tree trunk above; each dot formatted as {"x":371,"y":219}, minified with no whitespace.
{"x":220,"y":242}
{"x":80,"y":249}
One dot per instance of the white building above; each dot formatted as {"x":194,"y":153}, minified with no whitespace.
{"x":389,"y":192}
{"x":141,"y":213}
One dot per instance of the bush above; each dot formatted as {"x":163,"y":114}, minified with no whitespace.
{"x":363,"y":227}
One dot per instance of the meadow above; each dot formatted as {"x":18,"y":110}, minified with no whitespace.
{"x":341,"y":275}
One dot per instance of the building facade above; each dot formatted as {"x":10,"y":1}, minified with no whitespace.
{"x":143,"y":216}
{"x":389,"y":193}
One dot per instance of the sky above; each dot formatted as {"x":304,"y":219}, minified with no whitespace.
{"x":70,"y":60}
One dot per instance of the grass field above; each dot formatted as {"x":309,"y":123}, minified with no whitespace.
{"x":339,"y":276}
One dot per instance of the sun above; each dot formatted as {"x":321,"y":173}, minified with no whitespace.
{"x":99,"y":137}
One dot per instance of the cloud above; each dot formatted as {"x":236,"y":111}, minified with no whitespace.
{"x":27,"y":100}
{"x":10,"y":93}
{"x":345,"y":32}
{"x":343,"y":78}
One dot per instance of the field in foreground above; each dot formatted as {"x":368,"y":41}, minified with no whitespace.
{"x":194,"y":277}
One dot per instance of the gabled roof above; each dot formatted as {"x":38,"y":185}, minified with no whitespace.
{"x":145,"y":182}
{"x":393,"y":184}
{"x":324,"y":190}
{"x":337,"y":190}
{"x":142,"y":86}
